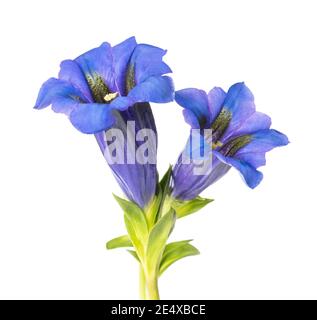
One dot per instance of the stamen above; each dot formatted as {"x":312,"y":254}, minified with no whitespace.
{"x":217,"y":144}
{"x":110,"y":96}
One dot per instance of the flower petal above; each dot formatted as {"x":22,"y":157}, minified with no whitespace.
{"x":99,"y":61}
{"x":121,"y":56}
{"x":240,"y":104}
{"x":154,"y":89}
{"x":262,"y":142}
{"x":122,"y":103}
{"x":71,"y":72}
{"x":216,"y":98}
{"x":191,"y":119}
{"x":61,"y":94}
{"x":92,"y":117}
{"x":257,"y":121}
{"x":187,"y":185}
{"x":64,"y":105}
{"x":251,"y":176}
{"x":147,"y":62}
{"x":196,"y":101}
{"x":138,"y":181}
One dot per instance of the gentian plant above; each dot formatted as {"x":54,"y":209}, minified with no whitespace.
{"x":107,"y":92}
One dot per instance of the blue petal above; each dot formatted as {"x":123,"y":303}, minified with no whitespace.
{"x":216,"y":98}
{"x":92,"y":117}
{"x":154,"y":89}
{"x":99,"y":61}
{"x":197,"y":147}
{"x":191,"y":119}
{"x":64,"y":105}
{"x":257,"y":121}
{"x":262,"y":142}
{"x":71,"y":72}
{"x":196,"y":101}
{"x":61,"y":94}
{"x":147,"y":62}
{"x":122,"y":103}
{"x":138,"y":181}
{"x":121,"y":56}
{"x":187,"y":185}
{"x":251,"y":176}
{"x":240,"y":103}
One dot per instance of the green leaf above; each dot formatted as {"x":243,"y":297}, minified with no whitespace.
{"x":164,"y":187}
{"x":128,"y":206}
{"x":170,"y":247}
{"x":151,"y":211}
{"x":135,"y":223}
{"x":184,"y":208}
{"x":175,"y":251}
{"x":157,"y":240}
{"x":165,"y":181}
{"x":134,"y":254}
{"x":119,"y":242}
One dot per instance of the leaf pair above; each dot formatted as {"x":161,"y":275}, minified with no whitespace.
{"x":148,"y":244}
{"x":157,"y":241}
{"x":173,"y":251}
{"x":149,"y":230}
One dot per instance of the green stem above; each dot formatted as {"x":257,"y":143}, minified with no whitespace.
{"x":148,"y":286}
{"x":152,"y":288}
{"x":142,"y":284}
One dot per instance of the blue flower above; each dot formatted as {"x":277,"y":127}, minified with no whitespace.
{"x":240,"y":137}
{"x":105,"y":80}
{"x":105,"y":88}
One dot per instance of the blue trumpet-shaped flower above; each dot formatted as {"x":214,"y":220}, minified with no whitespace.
{"x":91,"y":88}
{"x":240,"y":136}
{"x":105,"y":88}
{"x":138,"y":180}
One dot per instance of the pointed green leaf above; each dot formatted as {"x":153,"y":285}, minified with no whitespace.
{"x":175,"y":251}
{"x":135,"y":223}
{"x":134,"y":254}
{"x":165,"y":181}
{"x":157,"y":240}
{"x":184,"y":208}
{"x":170,"y":247}
{"x":164,"y":187}
{"x":129,"y":206}
{"x":136,"y":238}
{"x":151,"y":211}
{"x":119,"y":242}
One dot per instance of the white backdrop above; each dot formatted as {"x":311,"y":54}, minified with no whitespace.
{"x":56,"y":207}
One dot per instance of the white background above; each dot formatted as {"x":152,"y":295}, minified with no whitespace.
{"x":56,"y":207}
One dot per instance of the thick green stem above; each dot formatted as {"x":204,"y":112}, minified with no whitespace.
{"x":152,"y":288}
{"x":148,"y":286}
